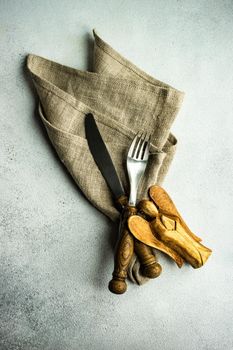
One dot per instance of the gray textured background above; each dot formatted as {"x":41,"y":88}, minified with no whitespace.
{"x":56,"y":249}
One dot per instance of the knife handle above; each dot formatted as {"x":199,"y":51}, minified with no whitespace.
{"x":123,"y":255}
{"x":149,"y":266}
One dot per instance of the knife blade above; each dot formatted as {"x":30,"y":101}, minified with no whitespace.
{"x":102,"y":157}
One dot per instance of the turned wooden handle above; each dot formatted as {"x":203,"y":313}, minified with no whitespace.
{"x":126,"y":245}
{"x":123,"y":255}
{"x":149,"y":265}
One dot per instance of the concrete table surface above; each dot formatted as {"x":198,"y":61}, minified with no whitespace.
{"x":56,"y":250}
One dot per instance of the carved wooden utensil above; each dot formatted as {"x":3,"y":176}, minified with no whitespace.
{"x":166,"y":230}
{"x":126,"y":243}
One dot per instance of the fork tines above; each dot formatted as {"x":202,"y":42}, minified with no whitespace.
{"x":139,"y":149}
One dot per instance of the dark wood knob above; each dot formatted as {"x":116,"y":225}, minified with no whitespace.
{"x":149,"y":265}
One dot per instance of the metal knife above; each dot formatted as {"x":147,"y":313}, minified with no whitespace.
{"x":126,"y":243}
{"x":102,"y":158}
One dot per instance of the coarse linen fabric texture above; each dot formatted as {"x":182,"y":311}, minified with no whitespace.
{"x":124,"y":101}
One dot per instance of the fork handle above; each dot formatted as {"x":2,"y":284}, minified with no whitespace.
{"x":149,"y":266}
{"x":123,"y":254}
{"x":126,"y":245}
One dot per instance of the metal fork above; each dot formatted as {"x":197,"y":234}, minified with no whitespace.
{"x":137,"y":159}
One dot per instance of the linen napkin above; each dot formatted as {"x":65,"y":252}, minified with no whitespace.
{"x":124,"y":100}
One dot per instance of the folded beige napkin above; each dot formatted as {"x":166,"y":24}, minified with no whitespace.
{"x":124,"y":100}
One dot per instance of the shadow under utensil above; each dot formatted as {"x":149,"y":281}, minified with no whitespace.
{"x":105,"y":263}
